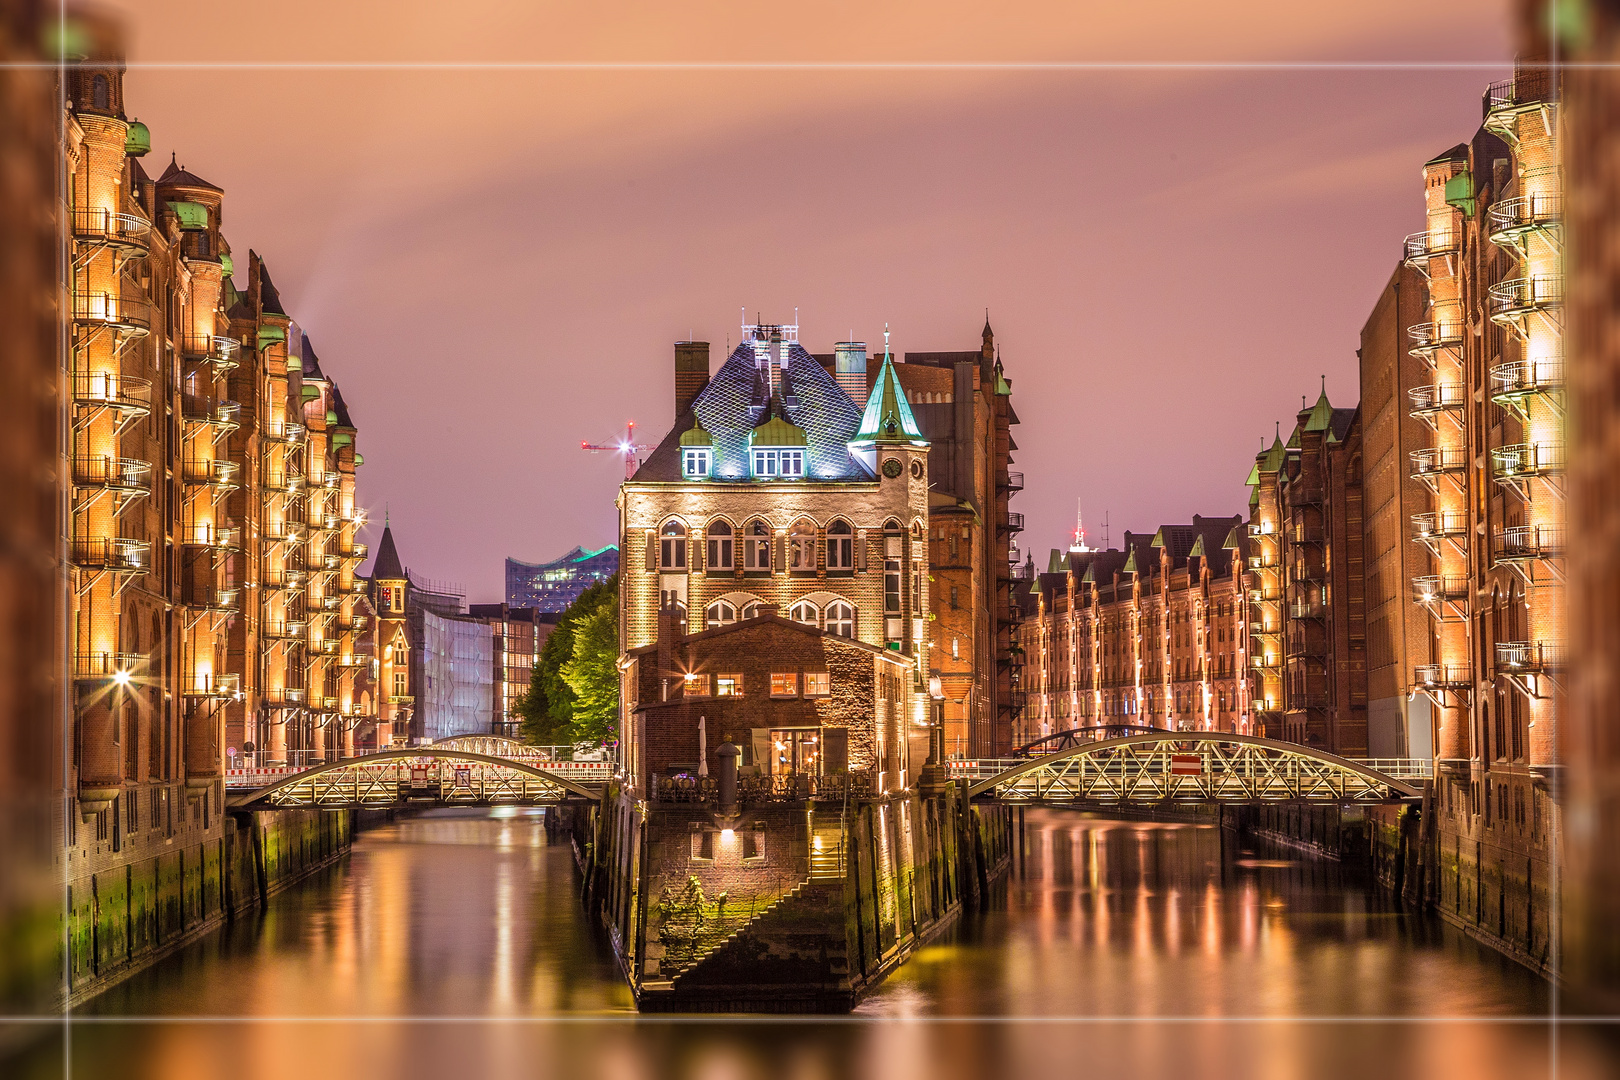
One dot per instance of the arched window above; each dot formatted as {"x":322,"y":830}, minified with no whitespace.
{"x":672,"y":546}
{"x":841,"y":619}
{"x":100,"y":95}
{"x":840,"y":546}
{"x":720,"y":546}
{"x":720,"y":613}
{"x":805,"y":612}
{"x":757,"y":547}
{"x":752,"y":610}
{"x":802,"y":546}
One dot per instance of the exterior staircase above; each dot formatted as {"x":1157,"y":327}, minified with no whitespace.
{"x":827,"y":855}
{"x":699,"y":957}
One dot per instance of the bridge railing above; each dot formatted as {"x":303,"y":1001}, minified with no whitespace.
{"x":973,"y":770}
{"x":446,"y":778}
{"x":255,"y":770}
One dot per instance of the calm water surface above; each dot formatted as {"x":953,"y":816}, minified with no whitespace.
{"x":1114,"y":948}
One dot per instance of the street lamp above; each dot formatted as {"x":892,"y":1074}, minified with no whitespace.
{"x":933,"y":772}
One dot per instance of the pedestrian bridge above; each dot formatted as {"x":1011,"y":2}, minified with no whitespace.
{"x":1190,"y":767}
{"x":439,"y":774}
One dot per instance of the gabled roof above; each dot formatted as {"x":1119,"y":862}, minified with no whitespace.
{"x":888,"y":417}
{"x":387,"y":564}
{"x":774,"y":432}
{"x":737,"y":398}
{"x":179,"y":177}
{"x":1456,"y":153}
{"x":269,"y":298}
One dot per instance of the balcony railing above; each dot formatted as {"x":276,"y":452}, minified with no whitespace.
{"x":1308,"y":570}
{"x":1262,"y":562}
{"x":1437,"y":460}
{"x":1428,"y":337}
{"x":1439,"y":525}
{"x":355,"y":550}
{"x":214,"y":599}
{"x":353,"y":624}
{"x":1307,"y":609}
{"x":353,"y":660}
{"x":284,"y":697}
{"x":1013,"y":524}
{"x":1259,"y":528}
{"x":1443,"y":676}
{"x":112,"y":553}
{"x":1265,"y":662}
{"x":215,"y":349}
{"x":1306,"y":534}
{"x":105,"y":389}
{"x":219,"y":537}
{"x":118,"y":312}
{"x":1437,"y":397}
{"x":1264,"y":596}
{"x":1420,"y":247}
{"x":1518,"y":379}
{"x":324,"y":646}
{"x":284,"y":431}
{"x":1519,"y":542}
{"x":284,"y":578}
{"x":1529,"y":656}
{"x":127,"y":475}
{"x":282,"y":481}
{"x":1527,"y":90}
{"x":1431,"y":588}
{"x":1509,"y":463}
{"x":213,"y":686}
{"x":215,"y":412}
{"x":1512,"y":218}
{"x":109,"y":665}
{"x":210,"y":472}
{"x":1011,"y":481}
{"x":283,"y":629}
{"x":131,"y":232}
{"x":1520,"y":296}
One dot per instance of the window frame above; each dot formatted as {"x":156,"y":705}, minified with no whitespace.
{"x":720,"y":544}
{"x":784,"y":684}
{"x":672,"y":539}
{"x":829,"y":620}
{"x":840,"y":547}
{"x":699,"y":455}
{"x":728,"y":684}
{"x":817,"y":684}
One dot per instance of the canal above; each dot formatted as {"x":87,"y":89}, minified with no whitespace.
{"x":452,"y":943}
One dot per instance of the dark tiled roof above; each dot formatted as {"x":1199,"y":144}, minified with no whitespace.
{"x":735,"y":402}
{"x":269,"y":298}
{"x":179,"y":177}
{"x":340,"y":408}
{"x":387,"y":564}
{"x":312,"y":363}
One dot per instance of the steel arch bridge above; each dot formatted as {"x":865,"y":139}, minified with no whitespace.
{"x":489,"y":745}
{"x":1181,"y":766}
{"x":446,"y":776}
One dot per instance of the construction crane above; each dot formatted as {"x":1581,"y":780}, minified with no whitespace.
{"x":627,"y":446}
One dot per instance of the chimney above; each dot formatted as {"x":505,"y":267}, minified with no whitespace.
{"x":670,"y":633}
{"x":691,"y":373}
{"x":849,"y":368}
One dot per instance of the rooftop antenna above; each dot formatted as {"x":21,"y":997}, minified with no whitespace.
{"x":885,"y":341}
{"x":1105,"y":528}
{"x":1079,"y":527}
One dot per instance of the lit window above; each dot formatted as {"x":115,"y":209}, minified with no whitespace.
{"x":757,"y":547}
{"x":672,"y":546}
{"x":792,"y":462}
{"x":699,"y":685}
{"x":784,"y":684}
{"x":840,"y":546}
{"x":805,"y":612}
{"x":816,"y":684}
{"x":841,"y":619}
{"x":720,"y":546}
{"x":720,"y":613}
{"x":802,"y":546}
{"x":695,"y":462}
{"x":728,"y":686}
{"x":764,"y":462}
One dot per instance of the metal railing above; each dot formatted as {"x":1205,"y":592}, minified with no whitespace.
{"x":1517,"y":296}
{"x":1425,"y":245}
{"x":283,"y":629}
{"x":112,"y":553}
{"x":113,"y":473}
{"x":1011,"y":481}
{"x":1535,"y":211}
{"x":106,"y":388}
{"x":212,"y":348}
{"x":213,"y":599}
{"x":1527,"y":89}
{"x":1013,"y":524}
{"x":1529,"y":656}
{"x":110,"y":309}
{"x":1440,"y":524}
{"x":284,"y":696}
{"x":1443,"y":676}
{"x":1308,"y":570}
{"x":112,"y":226}
{"x":217,"y":412}
{"x":1529,"y":542}
{"x":210,"y":472}
{"x":762,"y":790}
{"x":1305,"y":609}
{"x":1429,"y":588}
{"x":284,"y":431}
{"x":212,"y":686}
{"x":1527,"y":459}
{"x":109,"y":665}
{"x":1430,"y":336}
{"x":1436,"y":397}
{"x":1517,"y":378}
{"x":224,"y":537}
{"x":1435,"y":460}
{"x":284,"y":578}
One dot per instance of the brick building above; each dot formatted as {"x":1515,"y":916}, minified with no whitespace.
{"x":1307,"y":583}
{"x":1153,"y":634}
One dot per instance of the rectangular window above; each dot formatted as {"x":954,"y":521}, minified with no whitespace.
{"x":891,"y":587}
{"x":699,"y":685}
{"x":728,"y":686}
{"x":953,"y":598}
{"x":840,"y":551}
{"x":816,"y":684}
{"x":720,"y":553}
{"x":703,"y":845}
{"x":399,"y":684}
{"x":753,"y":842}
{"x":792,"y":462}
{"x":764,"y":462}
{"x":695,"y":462}
{"x":784,"y":684}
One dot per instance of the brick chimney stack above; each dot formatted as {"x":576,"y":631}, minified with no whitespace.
{"x":691,"y":373}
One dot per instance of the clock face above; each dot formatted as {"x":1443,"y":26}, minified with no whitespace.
{"x":892,"y":467}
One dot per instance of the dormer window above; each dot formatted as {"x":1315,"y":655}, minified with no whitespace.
{"x":778,"y":461}
{"x":695,"y":462}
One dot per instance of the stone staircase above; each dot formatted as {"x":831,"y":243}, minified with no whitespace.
{"x":703,"y":954}
{"x":797,"y":944}
{"x":827,"y":855}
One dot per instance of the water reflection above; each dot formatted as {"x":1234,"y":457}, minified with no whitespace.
{"x":1146,"y":950}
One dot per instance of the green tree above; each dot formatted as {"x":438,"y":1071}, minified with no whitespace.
{"x":547,"y":710}
{"x":593,"y":676}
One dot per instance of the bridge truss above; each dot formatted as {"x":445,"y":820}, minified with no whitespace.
{"x":447,"y":776}
{"x":1183,"y":766}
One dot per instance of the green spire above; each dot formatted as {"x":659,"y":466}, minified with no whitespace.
{"x":1321,"y":418}
{"x":1274,"y":458}
{"x":888,"y":416}
{"x":696,"y":435}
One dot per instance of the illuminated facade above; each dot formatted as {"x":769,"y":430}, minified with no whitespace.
{"x":551,"y":587}
{"x":213,"y":610}
{"x":1306,"y":583}
{"x":1153,"y":634}
{"x":775,"y":490}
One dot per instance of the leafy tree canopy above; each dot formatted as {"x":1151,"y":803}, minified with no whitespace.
{"x":547,"y":711}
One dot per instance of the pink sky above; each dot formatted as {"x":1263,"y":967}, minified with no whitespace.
{"x":494,"y":263}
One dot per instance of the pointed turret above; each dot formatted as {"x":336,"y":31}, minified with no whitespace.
{"x":387,"y":567}
{"x":888,"y":417}
{"x":1321,"y":415}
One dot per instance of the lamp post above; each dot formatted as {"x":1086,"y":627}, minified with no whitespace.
{"x":932,"y":781}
